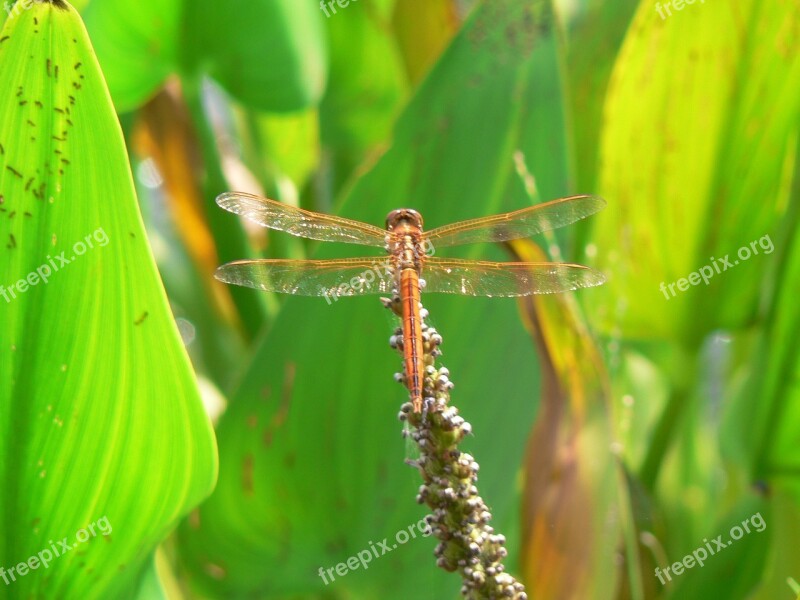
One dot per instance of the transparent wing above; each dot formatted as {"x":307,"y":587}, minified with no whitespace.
{"x":334,"y":278}
{"x":483,"y":278}
{"x":299,"y":222}
{"x":518,"y":224}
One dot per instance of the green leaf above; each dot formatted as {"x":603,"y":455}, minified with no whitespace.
{"x":694,"y":165}
{"x":311,"y":449}
{"x":283,"y":149}
{"x":269,"y":54}
{"x":99,"y":410}
{"x":137,"y":44}
{"x":366,"y":90}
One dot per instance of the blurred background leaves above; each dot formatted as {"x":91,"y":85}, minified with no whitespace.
{"x":602,"y":457}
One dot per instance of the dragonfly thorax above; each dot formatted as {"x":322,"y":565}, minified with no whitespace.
{"x":404,"y":239}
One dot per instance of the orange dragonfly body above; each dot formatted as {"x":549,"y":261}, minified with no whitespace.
{"x":409,"y":267}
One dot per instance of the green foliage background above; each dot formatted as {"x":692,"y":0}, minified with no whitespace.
{"x":687,"y":424}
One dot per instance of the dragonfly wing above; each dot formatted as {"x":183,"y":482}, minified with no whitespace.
{"x":299,"y":222}
{"x":483,"y":278}
{"x":518,"y":224}
{"x":332,"y":278}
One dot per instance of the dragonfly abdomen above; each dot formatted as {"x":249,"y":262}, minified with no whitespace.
{"x":412,"y":335}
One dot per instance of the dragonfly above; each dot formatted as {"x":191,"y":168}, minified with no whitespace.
{"x":410,"y":266}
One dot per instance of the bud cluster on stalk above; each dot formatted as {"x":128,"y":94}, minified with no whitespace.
{"x":460,"y":519}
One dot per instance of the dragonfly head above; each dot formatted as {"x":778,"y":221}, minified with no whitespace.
{"x":403,"y":216}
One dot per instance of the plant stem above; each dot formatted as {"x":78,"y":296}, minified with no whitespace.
{"x":460,"y":519}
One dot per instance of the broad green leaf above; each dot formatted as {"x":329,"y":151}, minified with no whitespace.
{"x":269,"y":54}
{"x":366,"y":91}
{"x":311,"y":449}
{"x":137,"y":44}
{"x":694,"y":165}
{"x":99,"y":408}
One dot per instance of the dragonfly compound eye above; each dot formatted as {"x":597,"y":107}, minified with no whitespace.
{"x":403,"y":215}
